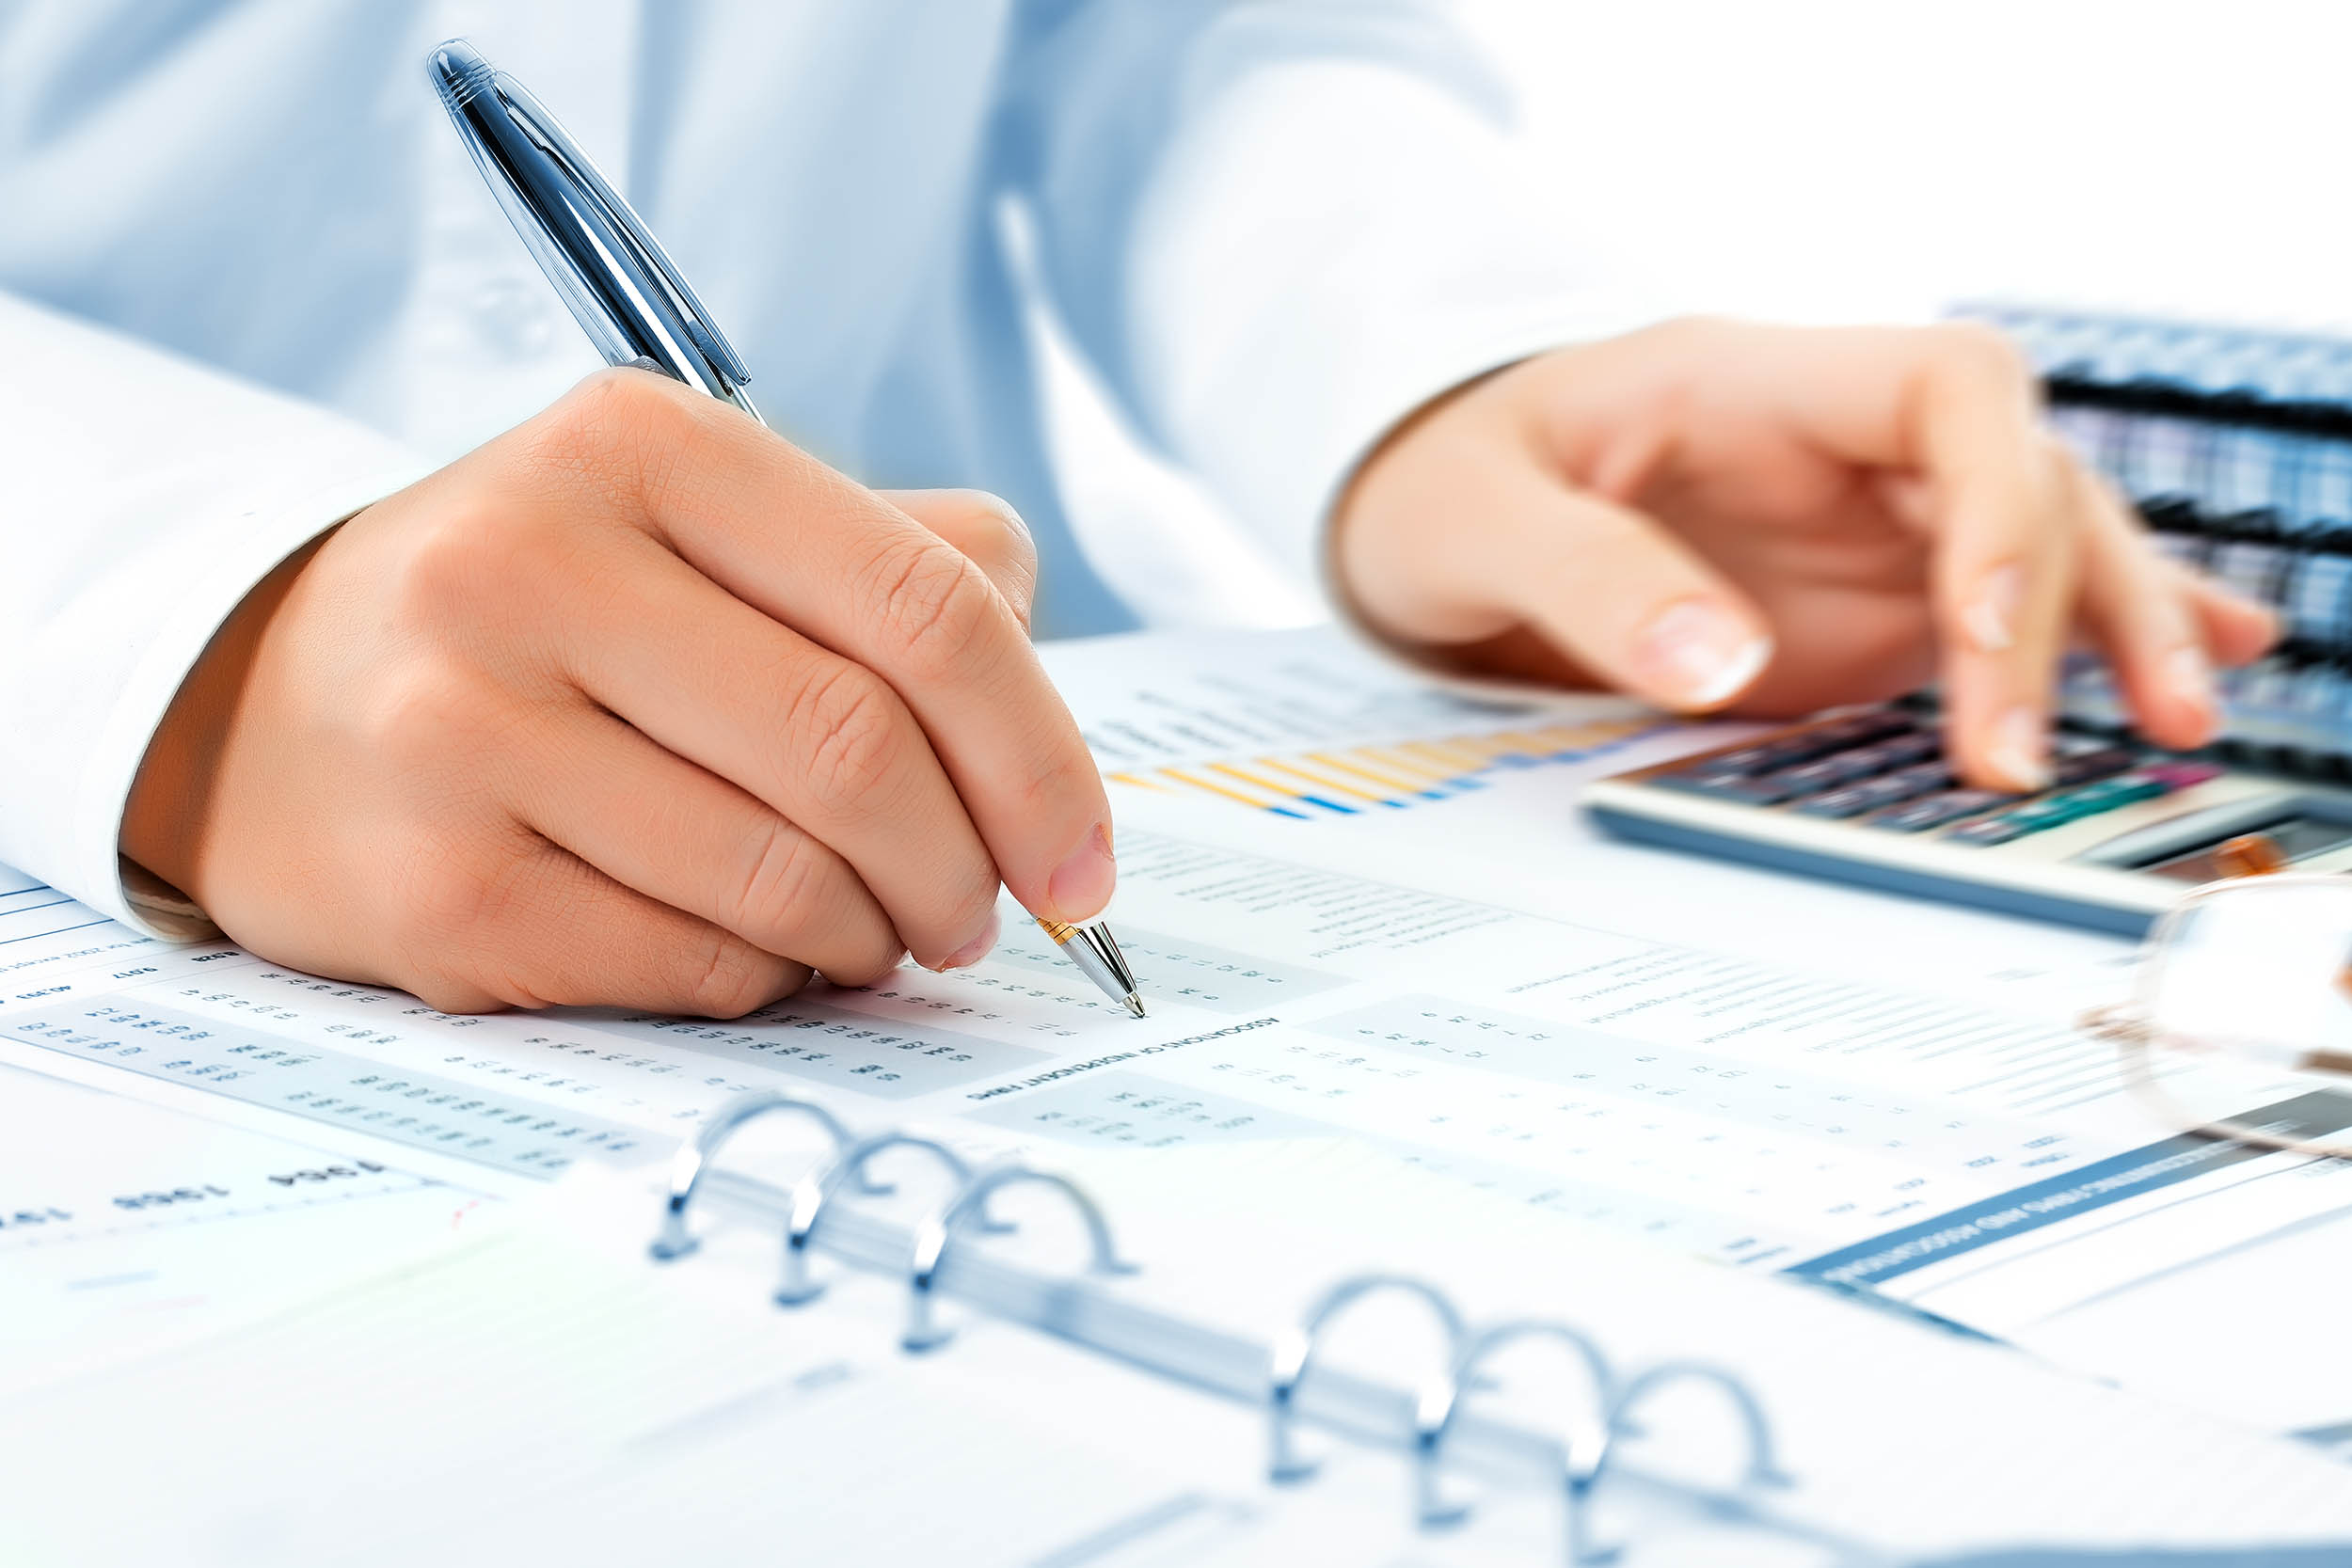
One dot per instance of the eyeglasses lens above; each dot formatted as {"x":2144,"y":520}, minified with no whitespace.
{"x":2247,"y":994}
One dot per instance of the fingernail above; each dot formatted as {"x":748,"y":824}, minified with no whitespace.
{"x":977,"y":948}
{"x":1991,"y":618}
{"x":2191,"y":674}
{"x":1699,"y":655}
{"x":1082,"y":884}
{"x":2019,"y":745}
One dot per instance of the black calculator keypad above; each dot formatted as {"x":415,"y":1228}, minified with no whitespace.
{"x":2084,"y":766}
{"x":1770,"y":790}
{"x":1854,"y":800}
{"x":1916,"y":816}
{"x":1870,"y":794}
{"x":1885,"y":768}
{"x":1828,"y":771}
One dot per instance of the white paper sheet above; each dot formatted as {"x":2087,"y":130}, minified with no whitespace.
{"x":541,"y":1392}
{"x":124,"y":1226}
{"x":1898,"y":1435}
{"x":544,"y":1393}
{"x":1770,"y":1073}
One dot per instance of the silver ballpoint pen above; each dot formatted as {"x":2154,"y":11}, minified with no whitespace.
{"x":628,"y":296}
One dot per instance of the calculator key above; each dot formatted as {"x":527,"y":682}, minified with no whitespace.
{"x":1828,"y":744}
{"x":2132,"y":788}
{"x":1901,"y":751}
{"x":1860,"y":729}
{"x":1837,"y":803}
{"x":1747,"y":759}
{"x":1991,"y":830}
{"x":2097,"y":763}
{"x":1827,"y":772}
{"x":1919,"y":816}
{"x":2051,"y":810}
{"x":1765,"y":756}
{"x":1768,"y":791}
{"x":1922,"y":778}
{"x":1868,"y":794}
{"x":2183,"y":775}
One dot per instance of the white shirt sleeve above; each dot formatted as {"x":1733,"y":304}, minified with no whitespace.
{"x":142,"y":498}
{"x":1278,"y":226}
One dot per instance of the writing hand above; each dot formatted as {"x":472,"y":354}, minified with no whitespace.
{"x":636,"y":704}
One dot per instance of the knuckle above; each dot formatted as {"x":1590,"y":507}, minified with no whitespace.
{"x":448,"y":924}
{"x":995,"y":529}
{"x":432,"y":725}
{"x":1015,"y":550}
{"x":1981,"y":353}
{"x":730,"y":976}
{"x":985,"y":528}
{"x":936,"y":608}
{"x":784,"y":880}
{"x":972,"y":898}
{"x":617,"y":409}
{"x":454,"y":563}
{"x":847,"y":732}
{"x":456,"y":894}
{"x":618,"y":429}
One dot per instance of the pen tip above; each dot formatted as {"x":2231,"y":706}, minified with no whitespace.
{"x":1135,"y":1004}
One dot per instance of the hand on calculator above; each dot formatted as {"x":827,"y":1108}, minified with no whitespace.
{"x":1771,"y":520}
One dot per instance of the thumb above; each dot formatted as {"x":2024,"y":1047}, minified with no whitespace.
{"x":1621,"y":594}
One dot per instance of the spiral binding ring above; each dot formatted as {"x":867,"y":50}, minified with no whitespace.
{"x":1585,"y":1449}
{"x":1293,"y":1353}
{"x":1763,"y":1469}
{"x":813,"y":1192}
{"x":969,"y":1205}
{"x":694,"y":1158}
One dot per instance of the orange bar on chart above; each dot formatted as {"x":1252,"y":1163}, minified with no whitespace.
{"x":1329,"y":785}
{"x":1184,"y":777}
{"x":1277,"y":787}
{"x":1385,"y":777}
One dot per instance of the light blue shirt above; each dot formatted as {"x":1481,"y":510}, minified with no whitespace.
{"x":1269,"y":227}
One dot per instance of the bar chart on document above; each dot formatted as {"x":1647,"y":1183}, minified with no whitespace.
{"x":1308,"y":731}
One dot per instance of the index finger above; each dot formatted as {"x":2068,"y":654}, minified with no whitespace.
{"x":1956,"y":409}
{"x":811,"y":549}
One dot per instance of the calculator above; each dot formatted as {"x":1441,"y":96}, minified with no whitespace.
{"x":1867,"y":796}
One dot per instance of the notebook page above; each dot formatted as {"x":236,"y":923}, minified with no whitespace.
{"x":543,"y":1392}
{"x":1903,"y":1435}
{"x":533,"y":1396}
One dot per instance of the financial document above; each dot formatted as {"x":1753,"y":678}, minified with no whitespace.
{"x":542,"y":1393}
{"x":125,"y":1224}
{"x":1900,"y":1441}
{"x":539,"y":1391}
{"x":1362,"y":908}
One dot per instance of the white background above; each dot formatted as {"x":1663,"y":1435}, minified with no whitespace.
{"x":1843,"y":160}
{"x":1825,"y":162}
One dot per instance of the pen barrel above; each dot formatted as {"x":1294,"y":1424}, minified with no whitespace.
{"x":614,"y":277}
{"x":1096,"y":953}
